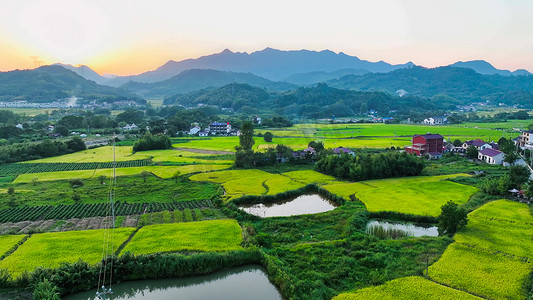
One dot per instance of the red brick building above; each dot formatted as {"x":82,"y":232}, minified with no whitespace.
{"x":431,"y":144}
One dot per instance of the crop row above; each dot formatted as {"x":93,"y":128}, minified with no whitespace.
{"x":63,"y":212}
{"x":24,"y":168}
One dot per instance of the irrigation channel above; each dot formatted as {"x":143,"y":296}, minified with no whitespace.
{"x":410,"y":229}
{"x":301,"y":205}
{"x":234,"y":284}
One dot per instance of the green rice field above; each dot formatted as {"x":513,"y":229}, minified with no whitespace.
{"x":159,"y":171}
{"x":417,"y":199}
{"x":214,"y":235}
{"x":495,"y":247}
{"x":407,"y":288}
{"x":8,"y":241}
{"x":49,"y":250}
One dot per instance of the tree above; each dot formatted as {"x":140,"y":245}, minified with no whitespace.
{"x":510,"y":157}
{"x":268,"y":137}
{"x":471,"y":152}
{"x":76,"y":144}
{"x":34,"y":181}
{"x":246,"y":139}
{"x":76,"y":197}
{"x":518,"y":175}
{"x":144,"y":175}
{"x":11,"y":191}
{"x":62,"y":130}
{"x":451,"y":219}
{"x":457,"y":143}
{"x":102,"y":179}
{"x":317,"y":145}
{"x":364,"y":108}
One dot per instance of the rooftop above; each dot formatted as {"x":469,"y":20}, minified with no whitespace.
{"x":490,"y":152}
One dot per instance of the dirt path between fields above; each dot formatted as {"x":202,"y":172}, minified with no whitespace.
{"x":193,"y":150}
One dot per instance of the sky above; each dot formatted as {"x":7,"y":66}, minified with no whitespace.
{"x":125,"y":37}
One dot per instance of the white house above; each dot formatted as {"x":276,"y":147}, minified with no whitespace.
{"x":478,"y":143}
{"x":19,"y":126}
{"x":491,"y":156}
{"x":203,"y":133}
{"x":195,"y":130}
{"x":129,"y":127}
{"x":435,"y":120}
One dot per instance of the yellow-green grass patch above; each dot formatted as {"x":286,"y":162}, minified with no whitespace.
{"x":407,"y":288}
{"x":225,"y":176}
{"x":101,"y":154}
{"x":309,"y":176}
{"x":215,"y":235}
{"x":160,"y":171}
{"x":424,"y":199}
{"x":49,"y":250}
{"x":407,"y":180}
{"x":8,"y":241}
{"x":279,"y":184}
{"x":345,"y":190}
{"x":502,"y":210}
{"x":482,"y":273}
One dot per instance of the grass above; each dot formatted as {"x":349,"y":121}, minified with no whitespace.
{"x":409,"y":180}
{"x":345,"y":190}
{"x":309,"y":176}
{"x":215,"y":235}
{"x":101,"y":154}
{"x":407,"y":288}
{"x":424,"y":199}
{"x":49,"y":250}
{"x":279,"y":184}
{"x":494,"y":247}
{"x":159,"y":171}
{"x":8,"y":241}
{"x":131,"y":189}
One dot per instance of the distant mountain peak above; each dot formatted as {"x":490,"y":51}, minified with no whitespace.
{"x":226,"y":51}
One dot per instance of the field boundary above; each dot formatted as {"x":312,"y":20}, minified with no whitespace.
{"x":15,"y":247}
{"x":123,"y":245}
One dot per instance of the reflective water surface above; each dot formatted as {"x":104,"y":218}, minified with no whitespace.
{"x":412,"y":229}
{"x":247,"y":282}
{"x":301,"y":205}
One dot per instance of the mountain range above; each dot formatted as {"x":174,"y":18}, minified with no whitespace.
{"x":197,"y":79}
{"x":51,"y":83}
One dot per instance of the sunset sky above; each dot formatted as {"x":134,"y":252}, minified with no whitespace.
{"x":132,"y":36}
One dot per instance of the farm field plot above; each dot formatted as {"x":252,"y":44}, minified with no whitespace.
{"x":160,"y":171}
{"x":49,"y":250}
{"x":279,"y":184}
{"x":416,"y":199}
{"x":8,"y":241}
{"x":298,"y":143}
{"x":309,"y":176}
{"x":225,"y":176}
{"x":345,"y":190}
{"x":215,"y":235}
{"x":482,"y":273}
{"x":494,"y":247}
{"x":101,"y":154}
{"x":409,"y":180}
{"x":407,"y":288}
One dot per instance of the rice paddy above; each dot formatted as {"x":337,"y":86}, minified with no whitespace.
{"x":214,"y":235}
{"x":49,"y":250}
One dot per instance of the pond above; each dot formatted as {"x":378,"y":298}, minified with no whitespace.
{"x":415,"y":230}
{"x":301,"y":205}
{"x":238,"y":283}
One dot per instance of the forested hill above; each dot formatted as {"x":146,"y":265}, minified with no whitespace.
{"x":460,"y":83}
{"x":318,"y":101}
{"x":51,"y":83}
{"x":197,"y":79}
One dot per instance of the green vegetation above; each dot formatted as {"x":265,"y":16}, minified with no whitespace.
{"x":452,"y":218}
{"x":494,"y":247}
{"x":49,"y":250}
{"x":408,"y":288}
{"x":152,"y":142}
{"x":415,"y":199}
{"x":216,"y":235}
{"x":7,"y":242}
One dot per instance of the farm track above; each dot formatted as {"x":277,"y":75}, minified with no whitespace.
{"x":202,"y":151}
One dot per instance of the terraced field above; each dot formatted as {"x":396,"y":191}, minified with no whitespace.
{"x":494,"y":248}
{"x":215,"y":235}
{"x":408,"y":288}
{"x":49,"y":250}
{"x":159,"y":171}
{"x":8,"y":241}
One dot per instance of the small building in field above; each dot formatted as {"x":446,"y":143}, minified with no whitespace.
{"x":340,"y":150}
{"x":491,"y":156}
{"x":194,"y":130}
{"x":427,"y":144}
{"x":435,"y":120}
{"x":203,"y":133}
{"x":478,"y":143}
